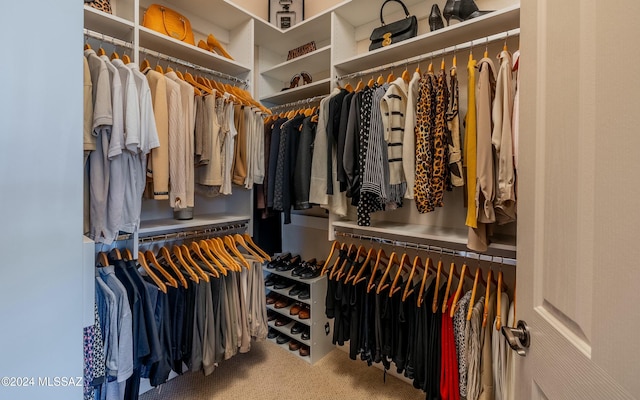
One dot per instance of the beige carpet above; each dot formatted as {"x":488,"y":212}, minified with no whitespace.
{"x":268,"y":372}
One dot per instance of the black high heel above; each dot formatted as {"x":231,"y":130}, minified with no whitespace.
{"x":435,"y":19}
{"x":462,"y":10}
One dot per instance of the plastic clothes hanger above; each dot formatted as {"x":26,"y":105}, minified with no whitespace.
{"x":456,"y":297}
{"x":428,"y":265}
{"x":405,"y":265}
{"x":151,"y":274}
{"x":408,"y":288}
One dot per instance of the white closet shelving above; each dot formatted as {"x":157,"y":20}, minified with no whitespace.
{"x":319,"y":340}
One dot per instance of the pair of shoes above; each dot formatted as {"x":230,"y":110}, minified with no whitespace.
{"x":295,"y":80}
{"x":271,"y":315}
{"x":304,"y":313}
{"x":461,"y":10}
{"x":435,"y":19}
{"x":306,"y":334}
{"x":272,"y":298}
{"x":272,"y":334}
{"x":296,"y":308}
{"x":212,"y":44}
{"x":282,"y":339}
{"x":298,"y":328}
{"x":289,"y":264}
{"x":303,"y":266}
{"x":297,"y":289}
{"x":270,"y":280}
{"x":294,"y":345}
{"x":305,"y":350}
{"x":282,"y":283}
{"x":282,"y":321}
{"x":304,"y":294}
{"x":282,"y":302}
{"x":312,"y":270}
{"x":277,"y":260}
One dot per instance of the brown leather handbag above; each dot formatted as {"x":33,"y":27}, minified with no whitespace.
{"x":165,"y":20}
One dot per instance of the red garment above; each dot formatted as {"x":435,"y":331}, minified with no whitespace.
{"x":449,"y":389}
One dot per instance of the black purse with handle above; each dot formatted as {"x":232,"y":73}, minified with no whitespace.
{"x":394,"y":32}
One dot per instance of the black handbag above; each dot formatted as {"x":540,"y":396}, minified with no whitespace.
{"x":394,"y":32}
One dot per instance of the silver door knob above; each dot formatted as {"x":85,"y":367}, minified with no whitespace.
{"x":519,"y":338}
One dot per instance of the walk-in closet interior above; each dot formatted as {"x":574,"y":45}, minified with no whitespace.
{"x":292,"y":183}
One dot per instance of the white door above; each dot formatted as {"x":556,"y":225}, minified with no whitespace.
{"x":579,"y":199}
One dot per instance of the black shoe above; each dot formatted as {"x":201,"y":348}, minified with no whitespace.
{"x":300,"y":269}
{"x":306,"y":334}
{"x":272,"y":333}
{"x":277,"y":260}
{"x":297,"y":328}
{"x":297,"y":289}
{"x":270,"y":281}
{"x":271,"y":315}
{"x":282,"y":284}
{"x":304,"y":294}
{"x":282,"y":339}
{"x":462,"y":10}
{"x":289,"y":264}
{"x":435,"y":19}
{"x":312,"y":271}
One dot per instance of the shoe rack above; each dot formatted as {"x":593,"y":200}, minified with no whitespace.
{"x":319,"y":341}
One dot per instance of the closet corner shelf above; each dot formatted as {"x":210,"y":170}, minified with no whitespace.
{"x":317,"y":28}
{"x":169,"y":225}
{"x":313,"y":62}
{"x":316,"y":88}
{"x":475,"y":29}
{"x":455,"y":239}
{"x":152,"y":40}
{"x":110,"y":25}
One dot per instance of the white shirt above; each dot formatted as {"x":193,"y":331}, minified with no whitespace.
{"x":409,"y":141}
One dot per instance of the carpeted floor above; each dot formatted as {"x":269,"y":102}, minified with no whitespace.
{"x":268,"y":372}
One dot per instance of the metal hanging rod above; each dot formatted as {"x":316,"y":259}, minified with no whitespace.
{"x":160,"y":56}
{"x":434,"y":54}
{"x":198,"y":233}
{"x":298,"y":103}
{"x":429,"y":248}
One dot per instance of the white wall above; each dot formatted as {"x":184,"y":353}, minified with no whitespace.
{"x":41,"y":196}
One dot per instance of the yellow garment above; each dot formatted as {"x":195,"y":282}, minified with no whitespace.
{"x":470,"y":141}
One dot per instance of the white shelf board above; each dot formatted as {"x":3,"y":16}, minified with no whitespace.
{"x":451,"y":238}
{"x":285,"y":311}
{"x":221,"y":13}
{"x":169,"y":224}
{"x":287,"y":274}
{"x":286,"y":329}
{"x":360,"y":12}
{"x":313,"y":62}
{"x":473,"y":29}
{"x":110,"y":25}
{"x":285,"y":292}
{"x":316,"y":28}
{"x":316,"y":88}
{"x":286,"y":348}
{"x":167,"y":45}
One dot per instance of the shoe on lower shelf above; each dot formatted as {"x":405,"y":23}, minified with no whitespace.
{"x":305,"y":350}
{"x":282,"y":339}
{"x":294,"y":345}
{"x":297,"y":328}
{"x":304,"y":294}
{"x":272,"y":334}
{"x":304,"y":313}
{"x":306,"y":334}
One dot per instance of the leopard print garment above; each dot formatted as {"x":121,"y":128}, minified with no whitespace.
{"x":439,"y":173}
{"x":102,"y":5}
{"x":425,"y":124}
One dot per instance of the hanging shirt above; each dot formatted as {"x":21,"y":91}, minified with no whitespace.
{"x":453,"y":122}
{"x":470,"y":142}
{"x":158,"y":167}
{"x":409,"y":140}
{"x":393,"y":108}
{"x":319,"y":179}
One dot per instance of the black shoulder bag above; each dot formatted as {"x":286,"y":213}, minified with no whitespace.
{"x":394,"y":32}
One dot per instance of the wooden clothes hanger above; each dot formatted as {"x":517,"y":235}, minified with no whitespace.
{"x":452,"y":273}
{"x":380,"y":80}
{"x":485,"y":314}
{"x":381,"y":256}
{"x":151,"y":257}
{"x":114,"y":56}
{"x":393,"y":260}
{"x":456,"y":297}
{"x":186,"y":253}
{"x":239,"y":239}
{"x":478,"y":279}
{"x":151,"y":274}
{"x":167,"y":257}
{"x":198,"y":252}
{"x":231,"y":244}
{"x":217,"y":246}
{"x":361,"y":252}
{"x":391,"y":77}
{"x":187,"y":265}
{"x":335,"y":245}
{"x":337,"y":270}
{"x":207,"y":250}
{"x":359,"y":86}
{"x":358,"y":277}
{"x":103,"y":260}
{"x":408,"y":288}
{"x":428,"y":265}
{"x":404,"y":265}
{"x":499,"y":302}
